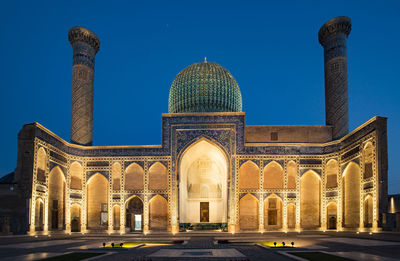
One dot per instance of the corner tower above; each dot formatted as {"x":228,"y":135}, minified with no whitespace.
{"x":332,"y":36}
{"x":85,"y":45}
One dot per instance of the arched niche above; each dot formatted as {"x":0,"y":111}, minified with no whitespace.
{"x":368,"y":211}
{"x":76,"y":172}
{"x":203,"y":172}
{"x":56,"y":212}
{"x":331,"y":215}
{"x":291,"y":169}
{"x":351,"y":194}
{"x":116,"y":176}
{"x":76,"y":215}
{"x":134,"y":177}
{"x":273,"y":176}
{"x":41,"y":162}
{"x":310,"y":189}
{"x":273,"y":212}
{"x":97,"y":202}
{"x":39,"y":214}
{"x":291,"y":215}
{"x":158,"y":213}
{"x":158,"y":176}
{"x":249,"y":176}
{"x":134,"y":213}
{"x":248,"y":213}
{"x":116,"y":216}
{"x":368,"y":155}
{"x":331,"y":172}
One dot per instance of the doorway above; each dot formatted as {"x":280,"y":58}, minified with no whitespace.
{"x":204,"y":212}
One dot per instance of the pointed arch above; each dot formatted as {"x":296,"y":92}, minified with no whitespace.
{"x":76,"y":172}
{"x":158,"y":176}
{"x":291,"y":215}
{"x":248,"y":212}
{"x":134,"y":177}
{"x":331,"y":172}
{"x":249,"y":176}
{"x":291,"y":169}
{"x":351,"y":195}
{"x":273,"y":212}
{"x":134,"y":213}
{"x":310,"y":189}
{"x":203,"y":167}
{"x":39,"y":214}
{"x":273,"y":175}
{"x":368,"y":211}
{"x":97,"y":201}
{"x":368,"y":156}
{"x":331,"y":215}
{"x":41,"y":162}
{"x":116,"y":176}
{"x":158,"y":213}
{"x":56,"y":215}
{"x":76,"y":215}
{"x":116,"y":216}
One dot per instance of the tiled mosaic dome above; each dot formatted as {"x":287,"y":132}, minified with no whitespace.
{"x":204,"y":87}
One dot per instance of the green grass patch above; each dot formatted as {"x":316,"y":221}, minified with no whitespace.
{"x":73,"y":256}
{"x":317,"y":256}
{"x":133,"y":244}
{"x":271,"y":244}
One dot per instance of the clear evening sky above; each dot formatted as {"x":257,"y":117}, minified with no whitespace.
{"x":270,"y":47}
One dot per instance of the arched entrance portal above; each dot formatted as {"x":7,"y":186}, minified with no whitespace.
{"x":134,"y":214}
{"x":75,"y":218}
{"x":203,"y":184}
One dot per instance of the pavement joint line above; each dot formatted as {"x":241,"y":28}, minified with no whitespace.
{"x":287,"y":254}
{"x":99,"y":256}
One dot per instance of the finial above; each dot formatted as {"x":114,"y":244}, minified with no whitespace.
{"x":205,"y":59}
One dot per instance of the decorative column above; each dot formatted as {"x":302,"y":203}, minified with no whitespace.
{"x":84,"y":200}
{"x":284,"y":202}
{"x":122,"y":213}
{"x":323,"y":210}
{"x":298,"y":218}
{"x":32,"y":214}
{"x":68,"y":200}
{"x":111,"y":222}
{"x":332,"y":36}
{"x":85,"y":45}
{"x":261,"y":198}
{"x":146,"y":200}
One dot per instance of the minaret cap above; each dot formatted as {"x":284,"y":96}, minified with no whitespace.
{"x":340,"y":24}
{"x":81,"y":34}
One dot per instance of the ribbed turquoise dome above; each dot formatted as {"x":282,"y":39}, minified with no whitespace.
{"x":204,"y":87}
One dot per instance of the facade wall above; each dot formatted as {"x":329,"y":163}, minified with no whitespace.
{"x":301,"y":182}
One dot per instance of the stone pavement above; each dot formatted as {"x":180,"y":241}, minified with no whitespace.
{"x":204,"y":246}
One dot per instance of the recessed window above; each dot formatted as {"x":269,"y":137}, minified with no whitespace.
{"x":274,"y":136}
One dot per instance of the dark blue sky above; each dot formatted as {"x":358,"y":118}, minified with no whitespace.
{"x":270,"y":47}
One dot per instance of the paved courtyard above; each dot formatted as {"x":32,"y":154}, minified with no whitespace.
{"x":204,"y":246}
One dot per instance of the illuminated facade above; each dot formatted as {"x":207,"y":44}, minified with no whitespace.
{"x":211,"y":171}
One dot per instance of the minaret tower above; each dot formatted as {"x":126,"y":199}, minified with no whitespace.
{"x":85,"y":45}
{"x":332,"y":36}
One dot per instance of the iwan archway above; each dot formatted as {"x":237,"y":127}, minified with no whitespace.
{"x":203,"y":172}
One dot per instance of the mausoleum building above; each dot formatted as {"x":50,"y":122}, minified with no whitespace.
{"x":211,"y":170}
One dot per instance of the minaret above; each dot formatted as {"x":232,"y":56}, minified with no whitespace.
{"x":85,"y":45}
{"x":332,"y":36}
